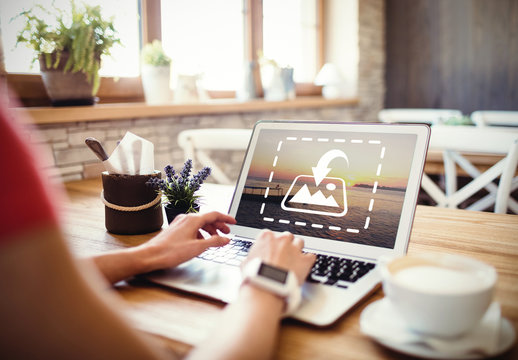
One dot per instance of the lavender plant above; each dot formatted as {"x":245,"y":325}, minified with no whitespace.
{"x":179,"y":189}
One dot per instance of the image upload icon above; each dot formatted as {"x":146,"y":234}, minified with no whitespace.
{"x":318,"y":194}
{"x":327,"y":198}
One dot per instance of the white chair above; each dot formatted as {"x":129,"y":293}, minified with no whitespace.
{"x":454,"y":140}
{"x":495,"y":118}
{"x":195,"y":144}
{"x":424,"y":116}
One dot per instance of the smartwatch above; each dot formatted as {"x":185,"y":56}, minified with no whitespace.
{"x":280,"y":282}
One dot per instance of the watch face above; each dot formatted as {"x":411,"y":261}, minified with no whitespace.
{"x":273,"y":273}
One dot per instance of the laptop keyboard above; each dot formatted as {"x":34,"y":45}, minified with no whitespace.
{"x":333,"y":270}
{"x":327,"y":270}
{"x":232,"y":254}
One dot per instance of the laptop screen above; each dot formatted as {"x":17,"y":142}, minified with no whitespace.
{"x":339,"y":186}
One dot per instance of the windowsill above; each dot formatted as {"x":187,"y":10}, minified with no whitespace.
{"x":56,"y":115}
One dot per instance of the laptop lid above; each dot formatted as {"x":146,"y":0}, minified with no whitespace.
{"x":345,"y":188}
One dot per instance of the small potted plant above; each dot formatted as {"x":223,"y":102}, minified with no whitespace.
{"x":179,"y":189}
{"x":69,"y":52}
{"x":156,"y":73}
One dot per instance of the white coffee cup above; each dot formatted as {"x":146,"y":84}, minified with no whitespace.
{"x":438,"y":294}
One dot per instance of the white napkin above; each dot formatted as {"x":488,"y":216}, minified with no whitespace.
{"x":386,"y":325}
{"x":133,"y":156}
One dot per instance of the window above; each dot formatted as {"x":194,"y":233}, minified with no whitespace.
{"x":290,"y":36}
{"x":212,"y":37}
{"x":125,"y":57}
{"x":218,"y":37}
{"x":208,"y":37}
{"x":205,"y":37}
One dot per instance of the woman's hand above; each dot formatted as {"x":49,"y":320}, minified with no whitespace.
{"x":284,"y":251}
{"x":182,"y":240}
{"x":252,"y":321}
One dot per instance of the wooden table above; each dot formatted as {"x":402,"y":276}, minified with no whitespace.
{"x":171,"y":314}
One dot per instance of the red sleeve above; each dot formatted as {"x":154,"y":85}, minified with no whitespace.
{"x":25,"y":201}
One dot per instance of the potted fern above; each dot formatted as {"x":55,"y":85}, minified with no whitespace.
{"x":69,"y":52}
{"x":156,"y":73}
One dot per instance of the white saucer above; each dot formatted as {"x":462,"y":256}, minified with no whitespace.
{"x":381,"y":316}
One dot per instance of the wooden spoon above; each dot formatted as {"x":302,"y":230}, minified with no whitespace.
{"x":97,"y":148}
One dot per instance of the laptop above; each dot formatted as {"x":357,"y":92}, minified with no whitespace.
{"x":348,"y":189}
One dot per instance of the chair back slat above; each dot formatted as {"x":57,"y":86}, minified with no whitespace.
{"x":197,"y":144}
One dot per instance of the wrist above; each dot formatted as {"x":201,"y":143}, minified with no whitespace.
{"x":144,"y":258}
{"x":121,"y":264}
{"x":279,"y":282}
{"x":255,"y":294}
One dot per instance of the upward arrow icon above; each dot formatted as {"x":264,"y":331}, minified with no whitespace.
{"x":321,"y":170}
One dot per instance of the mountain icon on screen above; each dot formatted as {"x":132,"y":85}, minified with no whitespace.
{"x":304,"y":196}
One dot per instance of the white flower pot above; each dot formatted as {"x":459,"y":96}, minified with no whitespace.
{"x":155,"y":81}
{"x":273,"y":85}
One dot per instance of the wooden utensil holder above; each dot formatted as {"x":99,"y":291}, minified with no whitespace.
{"x":131,"y":206}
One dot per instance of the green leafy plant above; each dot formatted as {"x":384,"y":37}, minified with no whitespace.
{"x":79,"y":38}
{"x":179,"y":189}
{"x":459,"y":120}
{"x":153,"y":54}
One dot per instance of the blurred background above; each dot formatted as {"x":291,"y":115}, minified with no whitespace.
{"x":234,"y":62}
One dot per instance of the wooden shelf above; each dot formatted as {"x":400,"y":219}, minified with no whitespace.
{"x":56,"y":115}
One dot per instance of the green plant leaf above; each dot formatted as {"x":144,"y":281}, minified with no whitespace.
{"x":58,"y":58}
{"x":153,"y":54}
{"x":96,"y":78}
{"x":69,"y":63}
{"x":48,"y":61}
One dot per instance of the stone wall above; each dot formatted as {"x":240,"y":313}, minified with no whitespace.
{"x":371,"y":67}
{"x":72,"y":160}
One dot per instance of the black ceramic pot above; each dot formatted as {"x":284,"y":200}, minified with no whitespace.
{"x":173,"y":211}
{"x":66,"y":88}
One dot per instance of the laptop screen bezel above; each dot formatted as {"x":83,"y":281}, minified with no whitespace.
{"x":422,"y":133}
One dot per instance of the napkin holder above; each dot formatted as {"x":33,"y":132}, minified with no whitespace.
{"x":131,"y":206}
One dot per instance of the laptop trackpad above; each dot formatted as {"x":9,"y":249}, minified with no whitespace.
{"x":202,"y":277}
